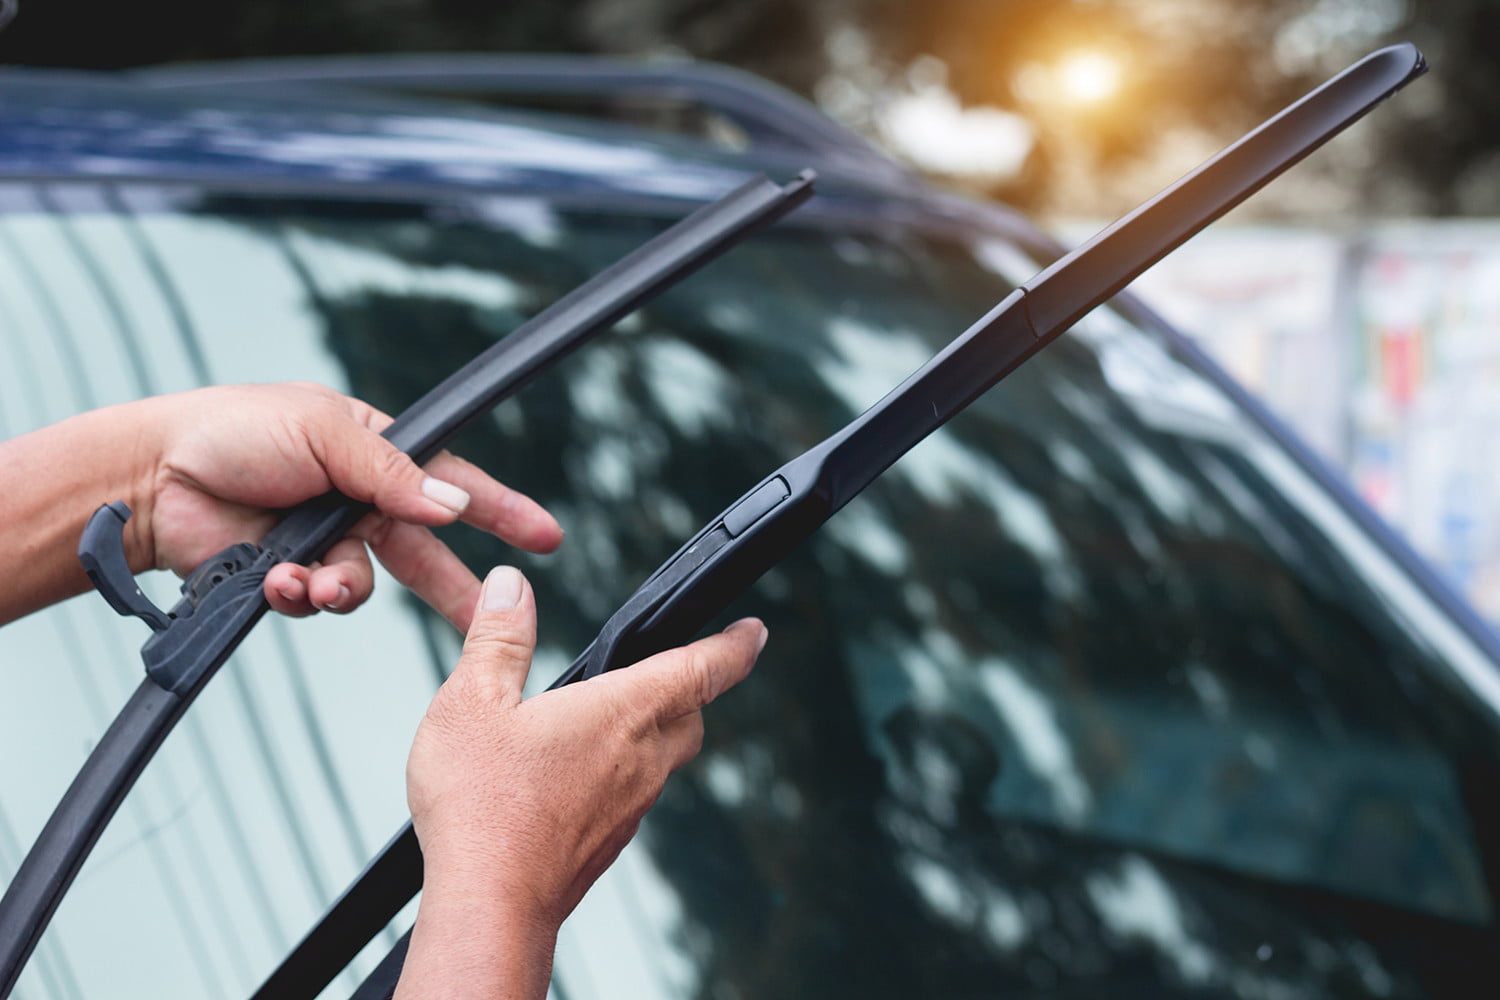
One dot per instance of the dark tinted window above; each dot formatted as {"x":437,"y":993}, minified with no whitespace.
{"x":1093,"y":691}
{"x":1093,"y":650}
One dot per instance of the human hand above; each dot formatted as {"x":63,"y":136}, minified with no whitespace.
{"x":227,"y":456}
{"x":520,"y":805}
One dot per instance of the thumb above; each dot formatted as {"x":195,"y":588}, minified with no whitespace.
{"x":497,"y":650}
{"x":366,"y":466}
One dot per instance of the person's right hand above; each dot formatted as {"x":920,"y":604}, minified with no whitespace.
{"x":520,"y":805}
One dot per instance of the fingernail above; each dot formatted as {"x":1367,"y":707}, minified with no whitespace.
{"x":502,"y":589}
{"x":450,"y":496}
{"x":339,"y":600}
{"x":760,"y":643}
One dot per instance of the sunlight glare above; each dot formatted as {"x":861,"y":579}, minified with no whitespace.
{"x":1089,"y":77}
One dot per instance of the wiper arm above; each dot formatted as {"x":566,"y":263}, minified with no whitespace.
{"x":222,"y":599}
{"x":756,"y":531}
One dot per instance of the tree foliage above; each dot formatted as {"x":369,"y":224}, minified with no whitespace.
{"x":1196,"y":71}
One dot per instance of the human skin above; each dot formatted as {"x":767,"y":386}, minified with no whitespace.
{"x":203,"y":470}
{"x":518,"y":805}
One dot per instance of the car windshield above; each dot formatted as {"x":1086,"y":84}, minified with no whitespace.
{"x":1095,"y":690}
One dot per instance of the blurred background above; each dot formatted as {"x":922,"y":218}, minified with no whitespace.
{"x":1360,"y":294}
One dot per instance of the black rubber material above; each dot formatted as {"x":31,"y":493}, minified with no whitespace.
{"x":380,"y":984}
{"x":756,"y":531}
{"x":205,"y":628}
{"x":386,"y":885}
{"x":75,"y":825}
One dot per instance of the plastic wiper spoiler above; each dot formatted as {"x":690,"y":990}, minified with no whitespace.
{"x":756,"y":531}
{"x":222,"y":599}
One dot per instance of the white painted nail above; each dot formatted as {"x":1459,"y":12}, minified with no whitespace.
{"x":502,"y":588}
{"x":450,"y":496}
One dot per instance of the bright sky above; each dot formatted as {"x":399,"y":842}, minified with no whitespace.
{"x":931,"y":129}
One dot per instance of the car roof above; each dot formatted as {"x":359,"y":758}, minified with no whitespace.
{"x":97,"y":125}
{"x":358,"y":126}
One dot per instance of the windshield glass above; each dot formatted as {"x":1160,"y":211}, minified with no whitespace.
{"x":1094,"y":688}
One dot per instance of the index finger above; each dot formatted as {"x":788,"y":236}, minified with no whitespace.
{"x":508,"y":514}
{"x":683,"y":680}
{"x":504,"y":512}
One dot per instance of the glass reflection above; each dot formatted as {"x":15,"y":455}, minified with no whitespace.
{"x":1076,"y":695}
{"x":1092,"y":693}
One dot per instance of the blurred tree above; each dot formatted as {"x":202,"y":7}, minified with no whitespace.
{"x":1205,"y":70}
{"x":1082,"y":72}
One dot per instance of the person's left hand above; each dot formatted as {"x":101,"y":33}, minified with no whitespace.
{"x":229,"y":456}
{"x":520,"y":805}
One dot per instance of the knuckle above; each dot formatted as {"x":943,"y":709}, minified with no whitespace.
{"x":378,"y":532}
{"x":698,"y":674}
{"x":625,"y":726}
{"x":661,"y":694}
{"x":460,"y":707}
{"x":497,"y":645}
{"x":692,"y":742}
{"x":391,"y":464}
{"x":466,"y":693}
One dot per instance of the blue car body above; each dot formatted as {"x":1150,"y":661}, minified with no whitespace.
{"x":1014,"y":816}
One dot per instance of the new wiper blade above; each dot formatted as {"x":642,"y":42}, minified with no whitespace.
{"x":755,"y":532}
{"x":222,"y":599}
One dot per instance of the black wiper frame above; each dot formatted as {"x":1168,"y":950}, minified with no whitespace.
{"x":758,"y":530}
{"x":222,"y":599}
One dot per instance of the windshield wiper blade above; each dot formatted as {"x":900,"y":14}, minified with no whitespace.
{"x":222,"y":599}
{"x":755,"y":532}
{"x":758,"y":530}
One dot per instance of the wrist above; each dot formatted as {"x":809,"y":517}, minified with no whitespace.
{"x":478,"y":881}
{"x":473,"y":941}
{"x":485,"y":858}
{"x":136,"y":434}
{"x":54,"y":479}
